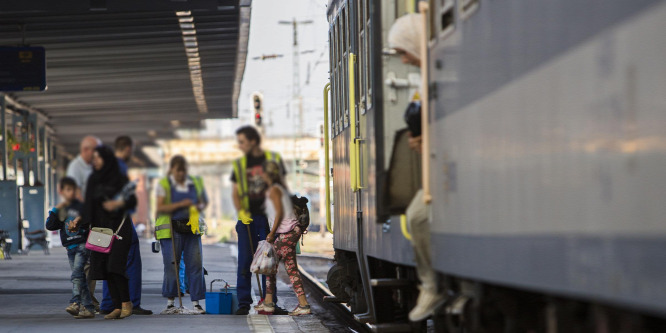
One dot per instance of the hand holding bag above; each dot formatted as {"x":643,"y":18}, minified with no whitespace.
{"x":264,"y":261}
{"x":101,"y":239}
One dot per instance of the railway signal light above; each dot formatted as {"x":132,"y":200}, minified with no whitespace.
{"x":258,"y":106}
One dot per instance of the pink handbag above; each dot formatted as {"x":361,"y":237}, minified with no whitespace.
{"x":101,"y":239}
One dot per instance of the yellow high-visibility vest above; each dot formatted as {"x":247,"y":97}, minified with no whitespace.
{"x":240,"y":166}
{"x":163,"y":221}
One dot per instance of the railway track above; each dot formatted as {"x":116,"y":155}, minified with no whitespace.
{"x":310,"y":267}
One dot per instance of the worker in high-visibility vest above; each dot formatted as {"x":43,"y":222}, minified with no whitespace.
{"x":180,"y":198}
{"x":249,"y":193}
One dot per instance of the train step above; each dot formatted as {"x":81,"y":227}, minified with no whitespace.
{"x":390,"y":327}
{"x":333,"y":299}
{"x":390,"y":282}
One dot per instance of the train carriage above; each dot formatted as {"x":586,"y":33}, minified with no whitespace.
{"x":546,"y":163}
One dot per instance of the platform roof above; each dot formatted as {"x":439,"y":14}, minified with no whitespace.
{"x":127,"y":67}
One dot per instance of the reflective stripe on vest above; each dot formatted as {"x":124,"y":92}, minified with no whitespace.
{"x":240,"y":171}
{"x":163,"y":221}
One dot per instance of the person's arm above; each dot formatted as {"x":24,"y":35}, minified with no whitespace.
{"x":130,"y":202}
{"x":236,"y":197}
{"x":164,"y":208}
{"x":53,"y":222}
{"x":275,"y":195}
{"x":415,"y":142}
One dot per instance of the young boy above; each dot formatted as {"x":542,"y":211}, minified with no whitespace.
{"x":67,"y":211}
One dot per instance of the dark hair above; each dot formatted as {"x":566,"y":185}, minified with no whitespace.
{"x":123,"y":142}
{"x":177,"y":161}
{"x":68,"y":181}
{"x":251,"y":133}
{"x":273,"y":170}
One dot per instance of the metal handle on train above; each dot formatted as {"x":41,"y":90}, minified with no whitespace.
{"x":327,"y":89}
{"x":425,"y":104}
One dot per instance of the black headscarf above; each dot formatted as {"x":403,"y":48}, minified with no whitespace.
{"x":103,"y":184}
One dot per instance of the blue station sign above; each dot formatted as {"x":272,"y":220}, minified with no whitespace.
{"x":22,"y":68}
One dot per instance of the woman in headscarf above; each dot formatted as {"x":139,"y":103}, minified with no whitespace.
{"x":405,"y":38}
{"x":105,"y":208}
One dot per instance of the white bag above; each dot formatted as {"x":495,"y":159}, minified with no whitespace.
{"x":265,"y":261}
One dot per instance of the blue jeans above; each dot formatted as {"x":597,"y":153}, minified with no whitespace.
{"x":258,"y":231}
{"x":189,"y":246}
{"x":133,"y":274}
{"x":78,"y":256}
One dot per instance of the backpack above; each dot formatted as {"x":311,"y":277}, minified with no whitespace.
{"x":301,"y":211}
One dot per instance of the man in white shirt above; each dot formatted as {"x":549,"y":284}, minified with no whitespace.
{"x":81,"y":167}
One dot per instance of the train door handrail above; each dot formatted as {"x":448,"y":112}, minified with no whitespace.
{"x":327,"y":170}
{"x":403,"y":227}
{"x":354,"y":166}
{"x":425,"y":104}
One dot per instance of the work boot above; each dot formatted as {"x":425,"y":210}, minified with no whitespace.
{"x":85,"y":314}
{"x":126,"y":310}
{"x":141,"y":311}
{"x":426,"y":304}
{"x":73,"y":309}
{"x":115,"y":314}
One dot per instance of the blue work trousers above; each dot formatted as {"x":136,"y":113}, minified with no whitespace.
{"x":133,"y":274}
{"x":189,"y":246}
{"x":259,"y":229}
{"x":78,"y":257}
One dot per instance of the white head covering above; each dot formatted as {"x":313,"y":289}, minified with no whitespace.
{"x":405,"y":34}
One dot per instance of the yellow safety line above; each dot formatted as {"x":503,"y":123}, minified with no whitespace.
{"x":259,"y":324}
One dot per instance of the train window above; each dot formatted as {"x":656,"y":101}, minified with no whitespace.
{"x":338,"y":87}
{"x":345,"y":65}
{"x":336,"y":74}
{"x":368,"y":48}
{"x":331,"y":66}
{"x":468,"y":7}
{"x":331,"y":74}
{"x":340,"y":75}
{"x":446,"y":15}
{"x":362,"y":50}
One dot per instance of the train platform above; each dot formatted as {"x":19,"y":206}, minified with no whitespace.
{"x":35,"y":289}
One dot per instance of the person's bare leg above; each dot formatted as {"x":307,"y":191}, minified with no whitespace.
{"x":302,"y":301}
